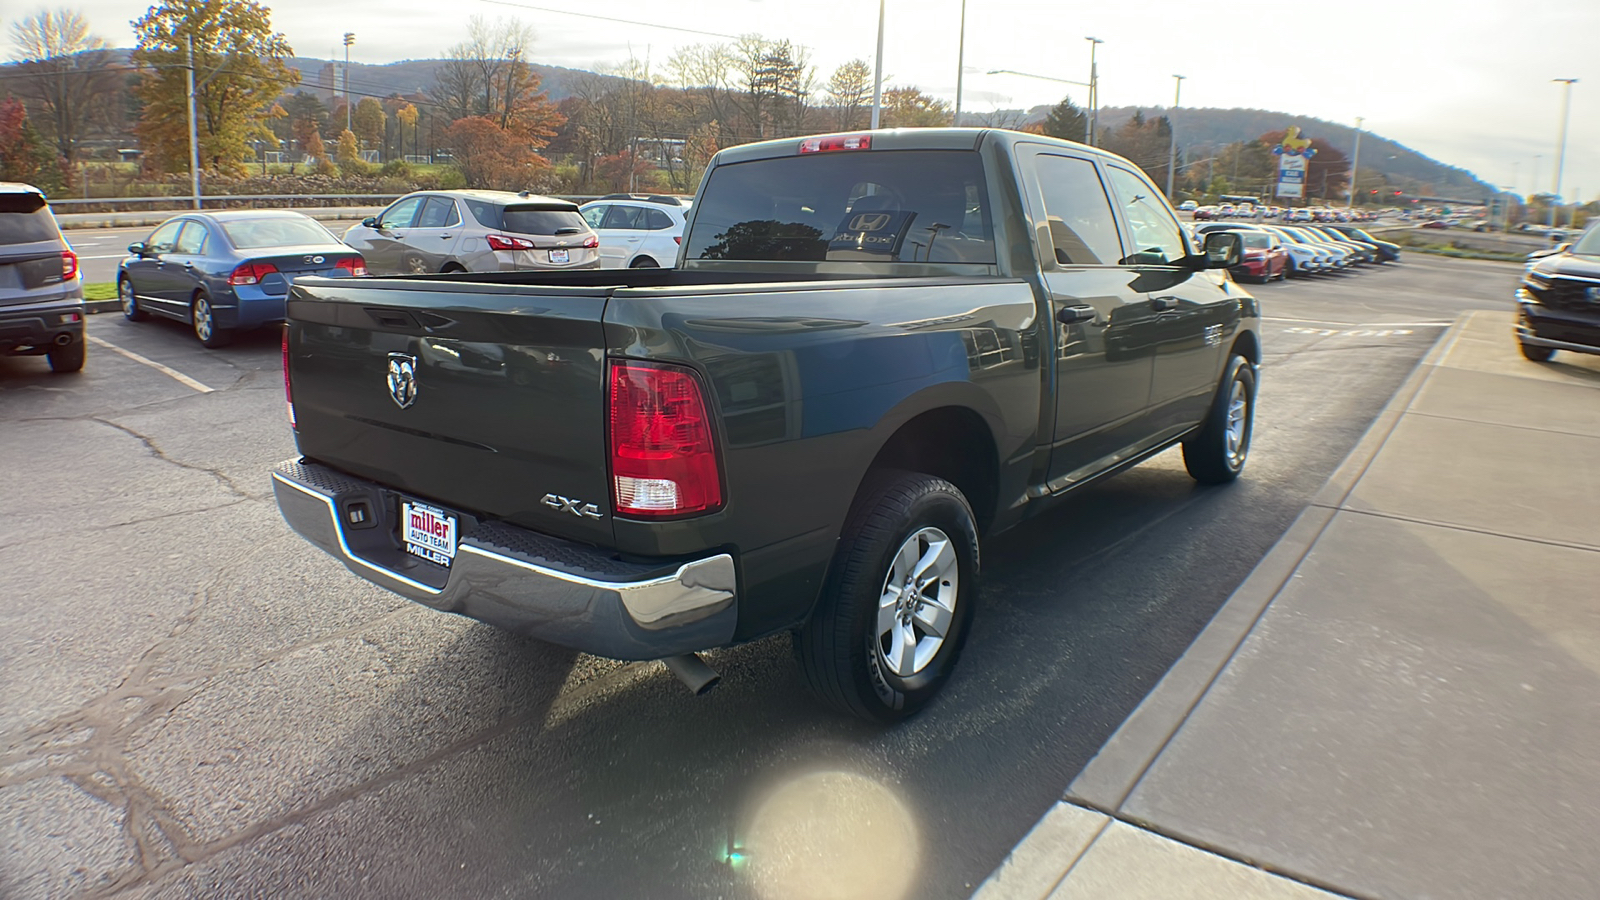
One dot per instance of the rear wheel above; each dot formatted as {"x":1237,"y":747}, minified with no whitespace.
{"x":1535,"y":353}
{"x":130,"y":303}
{"x":69,"y":358}
{"x":644,"y":262}
{"x":894,"y":615}
{"x":205,"y":323}
{"x":1217,"y":452}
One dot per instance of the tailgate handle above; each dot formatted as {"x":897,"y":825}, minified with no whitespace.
{"x":393,"y":318}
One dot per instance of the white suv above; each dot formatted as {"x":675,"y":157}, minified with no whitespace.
{"x":636,"y":232}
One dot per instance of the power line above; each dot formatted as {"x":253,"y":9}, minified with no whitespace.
{"x":564,"y":12}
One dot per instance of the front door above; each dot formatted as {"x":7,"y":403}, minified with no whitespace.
{"x":1100,"y":322}
{"x":385,"y":247}
{"x":1197,"y":310}
{"x":153,"y":281}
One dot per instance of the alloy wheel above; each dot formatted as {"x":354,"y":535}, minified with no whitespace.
{"x":917,"y":605}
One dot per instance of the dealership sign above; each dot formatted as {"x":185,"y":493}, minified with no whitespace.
{"x":1293,"y":155}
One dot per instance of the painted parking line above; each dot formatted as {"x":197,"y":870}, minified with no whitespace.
{"x":1352,"y":332}
{"x":168,"y":371}
{"x":1360,"y":324}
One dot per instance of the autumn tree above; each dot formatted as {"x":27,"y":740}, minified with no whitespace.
{"x":368,"y":121}
{"x":703,"y":73}
{"x":240,"y":69}
{"x":65,"y":74}
{"x":1066,"y":121}
{"x":24,"y":155}
{"x":488,"y":158}
{"x":348,"y":152}
{"x":907,"y":107}
{"x":849,"y":90}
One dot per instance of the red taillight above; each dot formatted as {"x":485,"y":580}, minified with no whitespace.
{"x":355,"y":265}
{"x":663,"y":458}
{"x":69,"y":265}
{"x":503,"y":242}
{"x":677,"y":239}
{"x":591,"y":242}
{"x":252,"y":273}
{"x":288,"y":392}
{"x":836,"y":142}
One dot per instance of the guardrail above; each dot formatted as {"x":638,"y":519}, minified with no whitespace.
{"x":216,"y":201}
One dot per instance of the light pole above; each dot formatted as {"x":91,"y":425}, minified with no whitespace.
{"x":1094,"y":92}
{"x":961,"y":56}
{"x":1355,"y":160}
{"x":1561,"y":145}
{"x":349,"y":38}
{"x":1172,"y":134}
{"x":877,"y":75}
{"x":194,"y":137}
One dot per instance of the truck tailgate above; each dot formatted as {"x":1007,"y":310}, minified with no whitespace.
{"x":475,"y":397}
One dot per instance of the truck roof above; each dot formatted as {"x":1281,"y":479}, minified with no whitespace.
{"x":902,"y":139}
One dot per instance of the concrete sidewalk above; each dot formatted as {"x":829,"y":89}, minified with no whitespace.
{"x":1403,"y":700}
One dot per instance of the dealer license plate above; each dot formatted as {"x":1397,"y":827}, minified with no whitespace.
{"x":428,"y":532}
{"x":558,"y":256}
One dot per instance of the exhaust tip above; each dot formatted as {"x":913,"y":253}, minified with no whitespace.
{"x":63,"y":339}
{"x":698,"y":677}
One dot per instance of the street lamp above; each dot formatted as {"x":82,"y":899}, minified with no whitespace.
{"x":349,"y":38}
{"x":961,"y":56}
{"x":1094,"y":92}
{"x":1355,"y":160}
{"x":877,"y":75}
{"x":1172,"y":134}
{"x":1561,"y":145}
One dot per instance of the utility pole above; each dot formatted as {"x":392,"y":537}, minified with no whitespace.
{"x":1355,"y":160}
{"x":1561,"y":145}
{"x":1094,"y":93}
{"x":877,"y":74}
{"x":961,"y":56}
{"x":349,"y":38}
{"x":1172,"y":134}
{"x":194,"y":129}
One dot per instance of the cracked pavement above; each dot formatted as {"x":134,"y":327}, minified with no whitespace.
{"x":199,"y":704}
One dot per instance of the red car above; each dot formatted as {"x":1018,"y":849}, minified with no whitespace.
{"x":1264,"y":258}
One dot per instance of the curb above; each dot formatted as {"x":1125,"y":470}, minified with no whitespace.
{"x":1111,"y":776}
{"x":95,"y":307}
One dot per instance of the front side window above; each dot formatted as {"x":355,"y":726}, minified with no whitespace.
{"x":192,"y":242}
{"x":862,"y":206}
{"x":1083,"y":232}
{"x":401,"y":214}
{"x":1157,"y":238}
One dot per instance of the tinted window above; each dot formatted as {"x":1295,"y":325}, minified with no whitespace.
{"x":440,"y":212}
{"x":1256,"y":241}
{"x":1589,"y":244}
{"x":25,"y":218}
{"x":401,"y":214}
{"x":1082,"y":228}
{"x":656,"y":220}
{"x":623,"y":217}
{"x":544,"y":220}
{"x":1157,"y":239}
{"x":253,"y":234}
{"x":867,"y":206}
{"x":594,"y":214}
{"x":487,"y":214}
{"x":192,"y":241}
{"x":164,"y":238}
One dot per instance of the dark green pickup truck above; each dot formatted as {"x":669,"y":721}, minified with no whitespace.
{"x":876,"y":349}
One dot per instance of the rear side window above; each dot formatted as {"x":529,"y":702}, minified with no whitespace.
{"x":25,"y":218}
{"x":623,"y":217}
{"x":867,"y":206}
{"x":440,"y":212}
{"x":192,"y":241}
{"x":544,"y":220}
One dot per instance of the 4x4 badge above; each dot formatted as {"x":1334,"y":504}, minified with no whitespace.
{"x":402,"y":379}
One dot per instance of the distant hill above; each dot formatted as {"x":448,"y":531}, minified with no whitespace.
{"x":410,"y":76}
{"x":1201,"y":130}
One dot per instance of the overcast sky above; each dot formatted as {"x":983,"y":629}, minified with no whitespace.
{"x":1467,"y":82}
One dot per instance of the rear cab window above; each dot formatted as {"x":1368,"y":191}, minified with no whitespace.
{"x":25,"y":219}
{"x":896,"y":206}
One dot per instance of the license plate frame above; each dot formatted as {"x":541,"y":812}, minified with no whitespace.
{"x":560,"y":256}
{"x":428,"y":532}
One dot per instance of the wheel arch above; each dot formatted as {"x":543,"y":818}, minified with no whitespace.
{"x":951,"y":442}
{"x":1247,"y":345}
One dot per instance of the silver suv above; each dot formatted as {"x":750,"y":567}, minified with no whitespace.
{"x":475,"y":231}
{"x":41,"y":293}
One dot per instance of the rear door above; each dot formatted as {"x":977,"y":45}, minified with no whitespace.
{"x":506,"y":405}
{"x":621,"y":232}
{"x":1100,"y":321}
{"x":1196,"y":309}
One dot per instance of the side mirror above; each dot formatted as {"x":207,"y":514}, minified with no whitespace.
{"x":370,"y":222}
{"x":137,"y":248}
{"x":1223,"y":249}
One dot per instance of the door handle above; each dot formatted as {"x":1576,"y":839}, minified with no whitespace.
{"x":1161,"y":304}
{"x":1072,"y":315}
{"x":446,"y":237}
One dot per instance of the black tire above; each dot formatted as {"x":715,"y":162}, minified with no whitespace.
{"x":69,"y":358}
{"x":1289,"y":271}
{"x":203,"y":320}
{"x":839,"y":648}
{"x":1536,"y":354}
{"x":130,"y":303}
{"x":1214,"y":455}
{"x":644,"y":262}
{"x":452,"y":268}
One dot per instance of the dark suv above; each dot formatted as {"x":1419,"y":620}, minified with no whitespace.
{"x":41,"y":295}
{"x":1558,"y":304}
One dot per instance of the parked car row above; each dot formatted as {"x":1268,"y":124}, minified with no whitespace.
{"x":1281,"y":251}
{"x":222,"y":272}
{"x":1308,"y":214}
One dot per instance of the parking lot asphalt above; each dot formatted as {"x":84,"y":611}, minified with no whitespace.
{"x":201,"y":704}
